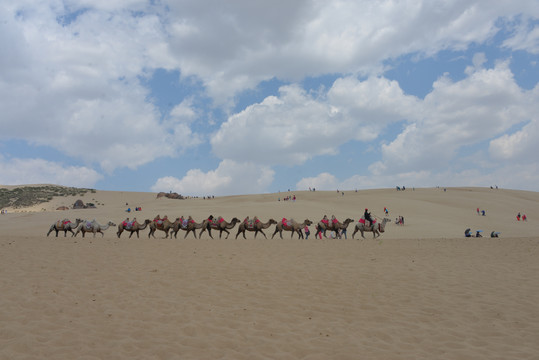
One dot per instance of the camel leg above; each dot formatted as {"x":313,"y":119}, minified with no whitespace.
{"x":276,"y":231}
{"x":265,"y":237}
{"x":239,"y":232}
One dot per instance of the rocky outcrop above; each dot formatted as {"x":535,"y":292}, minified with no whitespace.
{"x":170,"y":195}
{"x":79,"y":204}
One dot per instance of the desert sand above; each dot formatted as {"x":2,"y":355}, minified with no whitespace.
{"x":419,"y":291}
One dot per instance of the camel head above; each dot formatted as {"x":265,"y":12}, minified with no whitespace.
{"x":272,"y":221}
{"x":308,"y":222}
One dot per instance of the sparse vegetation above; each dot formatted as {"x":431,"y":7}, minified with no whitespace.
{"x":26,"y":196}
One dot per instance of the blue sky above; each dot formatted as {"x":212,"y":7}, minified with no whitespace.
{"x":240,"y":97}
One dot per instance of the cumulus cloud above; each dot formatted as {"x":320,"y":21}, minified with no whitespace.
{"x":296,"y":126}
{"x":454,"y":115}
{"x":229,"y":178}
{"x":323,"y":181}
{"x":320,"y":37}
{"x":520,"y":147}
{"x":73,"y":83}
{"x":38,"y":171}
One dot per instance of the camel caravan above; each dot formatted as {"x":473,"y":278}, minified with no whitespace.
{"x":189,"y":225}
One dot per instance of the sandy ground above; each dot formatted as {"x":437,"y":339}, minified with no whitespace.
{"x":420,"y":291}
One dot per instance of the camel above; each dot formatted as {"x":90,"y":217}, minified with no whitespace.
{"x":93,"y":227}
{"x":377,"y":228}
{"x":218,"y":224}
{"x":187,"y":225}
{"x":64,"y":225}
{"x":292,"y":226}
{"x":255,"y":226}
{"x":332,"y":226}
{"x":161,"y":224}
{"x":135,"y":227}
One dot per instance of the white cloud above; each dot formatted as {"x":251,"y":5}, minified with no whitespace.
{"x":291,"y":40}
{"x":323,"y":181}
{"x":76,"y":87}
{"x":39,"y":171}
{"x":297,"y":126}
{"x":520,"y":147}
{"x":229,"y":178}
{"x":525,"y":36}
{"x":454,"y":115}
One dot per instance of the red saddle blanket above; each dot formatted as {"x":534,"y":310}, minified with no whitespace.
{"x":362,"y":221}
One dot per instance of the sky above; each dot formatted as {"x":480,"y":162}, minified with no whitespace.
{"x":242,"y":97}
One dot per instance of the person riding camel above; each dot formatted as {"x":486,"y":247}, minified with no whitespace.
{"x":325,"y":220}
{"x":334,"y":219}
{"x":367,"y":216}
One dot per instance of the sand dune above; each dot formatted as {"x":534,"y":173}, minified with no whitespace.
{"x":421,"y":291}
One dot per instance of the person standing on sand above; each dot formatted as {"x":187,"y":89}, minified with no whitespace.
{"x":307,"y":232}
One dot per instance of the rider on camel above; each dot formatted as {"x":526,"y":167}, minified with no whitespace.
{"x":325,"y":220}
{"x":367,"y":216}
